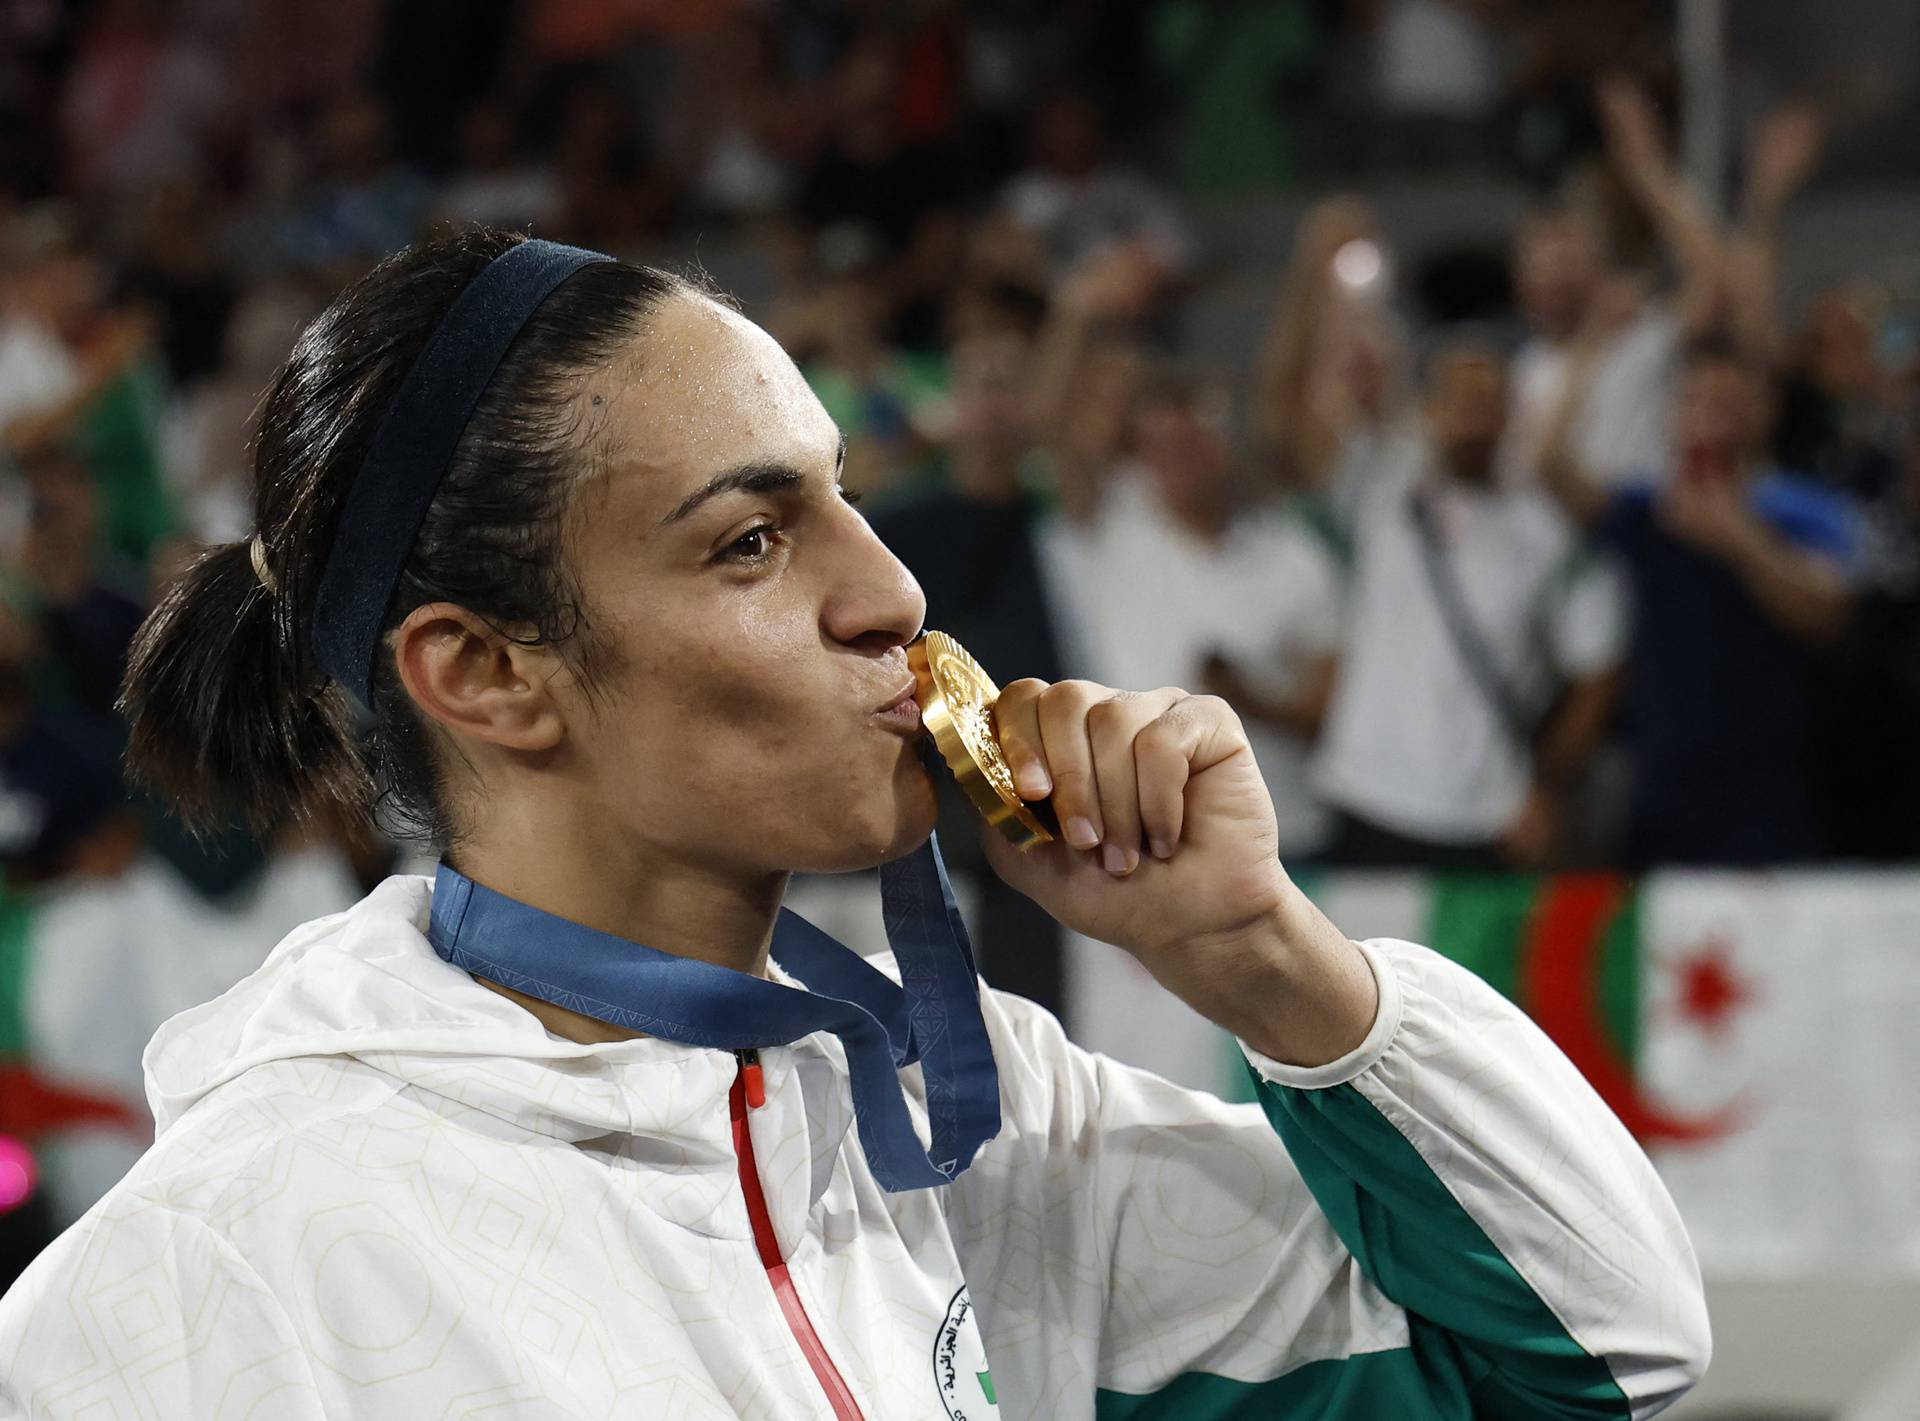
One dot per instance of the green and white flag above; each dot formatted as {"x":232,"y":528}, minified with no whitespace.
{"x":1753,"y":1030}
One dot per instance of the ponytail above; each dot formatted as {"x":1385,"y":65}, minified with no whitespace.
{"x":221,"y":721}
{"x":230,"y":714}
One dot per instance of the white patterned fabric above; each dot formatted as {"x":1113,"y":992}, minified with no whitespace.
{"x":381,"y":1191}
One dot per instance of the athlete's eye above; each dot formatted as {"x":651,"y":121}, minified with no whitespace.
{"x":743,"y":548}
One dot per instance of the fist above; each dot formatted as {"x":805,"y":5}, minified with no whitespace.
{"x":1170,"y":849}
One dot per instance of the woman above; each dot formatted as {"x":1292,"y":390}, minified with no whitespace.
{"x":569,"y":529}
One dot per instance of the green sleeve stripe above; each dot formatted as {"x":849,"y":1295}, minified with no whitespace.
{"x":1483,"y":1346}
{"x":1417,"y":1244}
{"x":1421,"y":1383}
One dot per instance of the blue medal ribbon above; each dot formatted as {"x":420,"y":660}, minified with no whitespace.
{"x":933,"y":1017}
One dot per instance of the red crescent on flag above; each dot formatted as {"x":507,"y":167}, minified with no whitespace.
{"x":1558,"y":978}
{"x":32,"y":1106}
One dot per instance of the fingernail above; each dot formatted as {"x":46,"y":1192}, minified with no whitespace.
{"x":1119,"y":861}
{"x":1033,"y":781}
{"x":1080,"y":833}
{"x":1162,"y":849}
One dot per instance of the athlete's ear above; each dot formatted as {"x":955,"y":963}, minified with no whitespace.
{"x":475,"y":680}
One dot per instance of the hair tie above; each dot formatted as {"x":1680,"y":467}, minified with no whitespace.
{"x":257,"y":550}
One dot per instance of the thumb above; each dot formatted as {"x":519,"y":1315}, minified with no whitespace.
{"x":1002,"y":856}
{"x":1028,"y":870}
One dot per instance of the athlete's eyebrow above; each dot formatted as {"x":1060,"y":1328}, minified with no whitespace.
{"x":749,"y":478}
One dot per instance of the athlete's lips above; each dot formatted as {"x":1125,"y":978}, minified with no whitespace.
{"x":901,"y":714}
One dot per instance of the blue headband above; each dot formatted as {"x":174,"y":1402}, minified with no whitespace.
{"x":415,"y":442}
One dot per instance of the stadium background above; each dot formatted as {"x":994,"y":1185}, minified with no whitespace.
{"x":1130,"y":311}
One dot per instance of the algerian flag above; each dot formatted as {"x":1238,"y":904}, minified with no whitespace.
{"x":1753,"y":1030}
{"x":1784,"y":1005}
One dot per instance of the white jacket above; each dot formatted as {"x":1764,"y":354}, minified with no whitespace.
{"x":381,"y":1191}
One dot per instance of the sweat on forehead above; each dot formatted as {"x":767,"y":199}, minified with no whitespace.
{"x":695,"y":349}
{"x":701,"y":389}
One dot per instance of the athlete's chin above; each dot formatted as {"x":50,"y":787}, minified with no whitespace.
{"x":920,"y":808}
{"x":902,"y":816}
{"x":859,"y":823}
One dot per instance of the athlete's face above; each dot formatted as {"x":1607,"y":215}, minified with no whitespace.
{"x":758,"y":623}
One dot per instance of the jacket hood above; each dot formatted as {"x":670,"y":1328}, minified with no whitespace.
{"x":366,"y":984}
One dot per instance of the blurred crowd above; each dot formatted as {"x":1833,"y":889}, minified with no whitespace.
{"x":1577,"y":550}
{"x":1606,"y":564}
{"x":1599,"y":558}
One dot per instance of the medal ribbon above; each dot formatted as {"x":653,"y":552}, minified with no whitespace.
{"x":933,"y":1017}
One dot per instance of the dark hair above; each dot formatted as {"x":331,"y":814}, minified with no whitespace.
{"x":228,"y":713}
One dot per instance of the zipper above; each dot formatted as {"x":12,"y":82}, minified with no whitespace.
{"x":750,"y":1093}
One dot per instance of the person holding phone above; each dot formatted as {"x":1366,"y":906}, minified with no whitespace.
{"x":1740,"y":573}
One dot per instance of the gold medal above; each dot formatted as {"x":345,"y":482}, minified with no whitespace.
{"x":956,"y":707}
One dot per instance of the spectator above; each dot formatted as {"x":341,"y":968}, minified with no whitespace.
{"x":1235,"y":67}
{"x":1785,"y":147}
{"x":39,"y":374}
{"x":437,"y":64}
{"x":1555,"y":47}
{"x":880,"y":395}
{"x":750,"y":126}
{"x":1739,"y":574}
{"x":88,"y":376}
{"x":1087,"y":372}
{"x":1436,"y":76}
{"x":1327,"y":388}
{"x":1076,"y":199}
{"x":1837,"y":420}
{"x":362,"y":203}
{"x":1562,"y":259}
{"x":82,"y":599}
{"x":144,"y":98}
{"x":1479,"y":670}
{"x":868,"y":173}
{"x":1179,"y":580}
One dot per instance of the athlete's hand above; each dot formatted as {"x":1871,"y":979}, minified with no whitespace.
{"x":1171,"y":852}
{"x":1168,"y":825}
